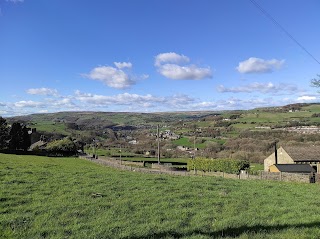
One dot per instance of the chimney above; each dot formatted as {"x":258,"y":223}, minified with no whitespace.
{"x":275,"y":153}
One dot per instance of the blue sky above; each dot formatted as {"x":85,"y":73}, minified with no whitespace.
{"x":155,"y":55}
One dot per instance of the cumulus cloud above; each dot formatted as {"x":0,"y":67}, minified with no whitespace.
{"x":170,"y":57}
{"x":135,"y":101}
{"x":115,"y":77}
{"x":260,"y":87}
{"x":122,"y":65}
{"x":120,"y":99}
{"x":62,"y":103}
{"x":171,"y":65}
{"x":42,"y":91}
{"x":306,"y":98}
{"x":258,"y":65}
{"x":28,"y":104}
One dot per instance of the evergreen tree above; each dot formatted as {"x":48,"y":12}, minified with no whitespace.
{"x":19,"y":137}
{"x":4,"y":133}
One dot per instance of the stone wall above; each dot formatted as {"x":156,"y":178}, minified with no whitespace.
{"x":286,"y":177}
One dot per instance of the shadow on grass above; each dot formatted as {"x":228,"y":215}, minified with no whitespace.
{"x":232,"y":232}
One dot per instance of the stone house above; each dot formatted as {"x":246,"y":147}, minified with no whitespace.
{"x":294,"y":155}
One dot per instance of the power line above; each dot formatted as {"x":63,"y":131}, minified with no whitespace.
{"x":264,"y":12}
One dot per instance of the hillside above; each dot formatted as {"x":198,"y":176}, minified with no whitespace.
{"x":216,"y":134}
{"x":70,"y":198}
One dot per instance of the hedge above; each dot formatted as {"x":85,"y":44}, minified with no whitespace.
{"x":218,"y":165}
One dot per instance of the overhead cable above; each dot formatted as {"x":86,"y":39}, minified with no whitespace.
{"x":275,"y":22}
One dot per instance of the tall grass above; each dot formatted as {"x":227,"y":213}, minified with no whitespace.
{"x":70,"y":198}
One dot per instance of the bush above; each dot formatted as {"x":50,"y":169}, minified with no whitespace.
{"x":62,"y":147}
{"x":217,"y":165}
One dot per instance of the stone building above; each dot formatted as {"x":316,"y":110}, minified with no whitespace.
{"x":294,"y":155}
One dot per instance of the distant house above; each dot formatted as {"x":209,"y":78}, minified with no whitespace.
{"x":150,"y":153}
{"x":133,"y":141}
{"x":39,"y":145}
{"x":183,"y":148}
{"x":307,"y":155}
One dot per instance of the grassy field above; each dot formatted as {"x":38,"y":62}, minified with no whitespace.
{"x":71,"y":198}
{"x":188,"y":142}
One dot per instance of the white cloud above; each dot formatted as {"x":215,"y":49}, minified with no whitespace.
{"x":257,"y":65}
{"x":15,"y":1}
{"x":135,"y":102}
{"x":306,"y":98}
{"x":260,"y":87}
{"x":122,"y":65}
{"x":120,"y":99}
{"x":170,"y":57}
{"x":115,"y":77}
{"x":42,"y":91}
{"x":43,"y":111}
{"x":62,"y":103}
{"x":28,"y":104}
{"x":111,"y":76}
{"x":177,"y":72}
{"x":171,"y":66}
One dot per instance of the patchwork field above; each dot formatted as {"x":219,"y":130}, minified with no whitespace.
{"x":70,"y":198}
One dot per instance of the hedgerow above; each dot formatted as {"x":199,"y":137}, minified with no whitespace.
{"x":217,"y":165}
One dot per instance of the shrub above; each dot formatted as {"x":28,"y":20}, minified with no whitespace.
{"x":217,"y":165}
{"x":61,"y":147}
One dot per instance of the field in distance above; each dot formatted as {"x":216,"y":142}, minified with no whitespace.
{"x":44,"y":197}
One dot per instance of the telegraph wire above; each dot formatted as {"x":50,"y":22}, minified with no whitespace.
{"x":275,"y":22}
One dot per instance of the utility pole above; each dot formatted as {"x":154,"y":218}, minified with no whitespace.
{"x":158,"y":136}
{"x":94,"y":149}
{"x":120,"y":154}
{"x":194,"y":153}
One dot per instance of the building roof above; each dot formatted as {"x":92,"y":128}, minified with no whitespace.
{"x":39,"y":144}
{"x":304,"y":153}
{"x":295,"y":168}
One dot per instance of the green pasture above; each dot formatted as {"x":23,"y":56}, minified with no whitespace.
{"x":162,"y":160}
{"x":72,"y":198}
{"x":109,"y":152}
{"x":48,"y":126}
{"x":188,"y":142}
{"x":277,"y":117}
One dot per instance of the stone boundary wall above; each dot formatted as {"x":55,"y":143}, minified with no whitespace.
{"x":285,"y":177}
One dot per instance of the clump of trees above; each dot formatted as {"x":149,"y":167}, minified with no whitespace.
{"x":217,"y":165}
{"x":14,"y":137}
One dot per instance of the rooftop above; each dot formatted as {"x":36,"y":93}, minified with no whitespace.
{"x":304,"y":153}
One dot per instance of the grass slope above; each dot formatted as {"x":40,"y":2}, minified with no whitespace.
{"x":71,"y":198}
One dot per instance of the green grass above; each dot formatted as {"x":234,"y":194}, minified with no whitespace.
{"x":51,"y":127}
{"x":162,"y":160}
{"x":109,"y":152}
{"x":71,"y":198}
{"x":188,"y":142}
{"x":256,"y":167}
